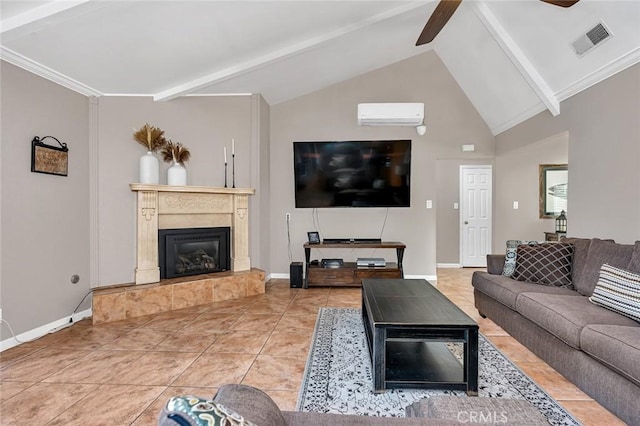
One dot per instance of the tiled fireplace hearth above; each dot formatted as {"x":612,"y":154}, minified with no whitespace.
{"x":161,"y":207}
{"x":130,"y":301}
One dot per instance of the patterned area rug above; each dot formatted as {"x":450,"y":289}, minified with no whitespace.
{"x":338,"y":375}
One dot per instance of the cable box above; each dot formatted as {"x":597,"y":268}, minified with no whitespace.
{"x":367,"y":240}
{"x":332,"y":263}
{"x":352,"y":240}
{"x":377,"y":262}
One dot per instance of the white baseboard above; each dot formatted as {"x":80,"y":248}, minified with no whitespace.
{"x":448,"y":265}
{"x":278,"y":276}
{"x":43,"y":330}
{"x":422,"y":277}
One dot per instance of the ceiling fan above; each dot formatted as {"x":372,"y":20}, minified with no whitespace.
{"x":445,"y":9}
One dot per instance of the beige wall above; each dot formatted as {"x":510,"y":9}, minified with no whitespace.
{"x":603,"y":124}
{"x":517,"y":179}
{"x":45,"y":218}
{"x":204,"y":124}
{"x":330,"y":114}
{"x":448,"y":218}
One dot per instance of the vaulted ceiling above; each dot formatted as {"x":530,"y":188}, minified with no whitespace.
{"x":512,"y":58}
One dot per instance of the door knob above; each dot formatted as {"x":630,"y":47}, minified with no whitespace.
{"x":466,"y":223}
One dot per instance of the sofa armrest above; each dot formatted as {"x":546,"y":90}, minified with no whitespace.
{"x":495,"y":263}
{"x":251,"y":403}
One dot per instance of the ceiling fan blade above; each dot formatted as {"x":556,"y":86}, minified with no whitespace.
{"x":561,"y":3}
{"x":443,"y":12}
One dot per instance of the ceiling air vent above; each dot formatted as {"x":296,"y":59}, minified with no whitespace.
{"x":592,"y":38}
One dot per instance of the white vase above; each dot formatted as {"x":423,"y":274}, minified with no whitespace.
{"x":177,"y":175}
{"x":149,"y":169}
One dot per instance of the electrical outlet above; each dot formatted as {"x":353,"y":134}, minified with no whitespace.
{"x":287,"y":216}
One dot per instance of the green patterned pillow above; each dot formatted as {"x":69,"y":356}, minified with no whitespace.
{"x":194,"y":411}
{"x":510,"y":257}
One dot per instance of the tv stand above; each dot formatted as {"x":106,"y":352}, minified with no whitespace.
{"x":349,"y":274}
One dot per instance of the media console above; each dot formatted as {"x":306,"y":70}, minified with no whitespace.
{"x":349,"y":274}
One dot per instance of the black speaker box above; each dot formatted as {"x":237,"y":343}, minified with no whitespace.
{"x":295,"y":275}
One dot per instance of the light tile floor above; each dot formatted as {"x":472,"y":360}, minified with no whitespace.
{"x":122,"y":373}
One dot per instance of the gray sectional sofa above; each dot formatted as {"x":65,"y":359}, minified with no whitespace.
{"x":595,"y":348}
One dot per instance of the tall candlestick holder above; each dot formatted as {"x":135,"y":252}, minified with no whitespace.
{"x":233,"y":170}
{"x":225,"y":174}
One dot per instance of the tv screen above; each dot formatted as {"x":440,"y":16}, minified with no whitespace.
{"x":352,"y":173}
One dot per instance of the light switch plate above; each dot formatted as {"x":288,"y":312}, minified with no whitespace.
{"x":515,"y":205}
{"x":429,"y":204}
{"x":456,"y":206}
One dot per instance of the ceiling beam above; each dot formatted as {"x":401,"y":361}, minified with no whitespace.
{"x":518,"y":58}
{"x":278,"y":55}
{"x":38,"y":13}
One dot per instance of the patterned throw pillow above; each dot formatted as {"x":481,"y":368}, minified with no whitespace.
{"x":619,"y":291}
{"x":195,"y":411}
{"x":510,"y":258}
{"x":547,"y":263}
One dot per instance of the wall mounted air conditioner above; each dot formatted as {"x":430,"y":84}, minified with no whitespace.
{"x":390,"y":114}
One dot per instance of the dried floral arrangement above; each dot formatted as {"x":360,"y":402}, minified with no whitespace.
{"x":150,"y":137}
{"x":175,"y":152}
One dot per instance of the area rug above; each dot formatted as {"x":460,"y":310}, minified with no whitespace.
{"x":338,"y":376}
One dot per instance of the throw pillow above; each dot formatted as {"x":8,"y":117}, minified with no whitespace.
{"x":511,"y":255}
{"x":547,"y":263}
{"x":195,"y":411}
{"x":619,"y":291}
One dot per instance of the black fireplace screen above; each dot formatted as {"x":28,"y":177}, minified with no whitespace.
{"x":193,"y":251}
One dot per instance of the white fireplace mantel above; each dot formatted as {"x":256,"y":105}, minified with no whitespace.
{"x":169,"y":207}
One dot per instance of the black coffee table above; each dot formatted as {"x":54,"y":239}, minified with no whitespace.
{"x":408,"y":323}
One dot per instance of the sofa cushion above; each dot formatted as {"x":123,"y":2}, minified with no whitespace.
{"x":580,"y":252}
{"x":479,"y":410}
{"x":615,"y":346}
{"x":297,"y":418}
{"x":634,"y":263}
{"x":495,"y":263}
{"x":618,"y":290}
{"x":506,"y":290}
{"x":600,"y":252}
{"x":548,"y":264}
{"x":566,"y":316}
{"x":511,"y":255}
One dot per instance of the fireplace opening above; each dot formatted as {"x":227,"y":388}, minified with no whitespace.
{"x":193,"y":251}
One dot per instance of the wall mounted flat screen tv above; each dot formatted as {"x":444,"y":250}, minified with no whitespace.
{"x":352,"y":173}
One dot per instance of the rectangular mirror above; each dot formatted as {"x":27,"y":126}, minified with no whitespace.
{"x":554,"y":180}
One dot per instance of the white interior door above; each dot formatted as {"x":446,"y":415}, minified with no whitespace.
{"x":475,"y":215}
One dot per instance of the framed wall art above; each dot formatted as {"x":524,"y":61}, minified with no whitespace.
{"x":49,"y":159}
{"x":554,"y":183}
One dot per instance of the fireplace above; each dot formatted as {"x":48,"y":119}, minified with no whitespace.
{"x":193,"y":251}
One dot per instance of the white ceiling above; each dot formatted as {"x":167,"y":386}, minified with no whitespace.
{"x":513,"y":58}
